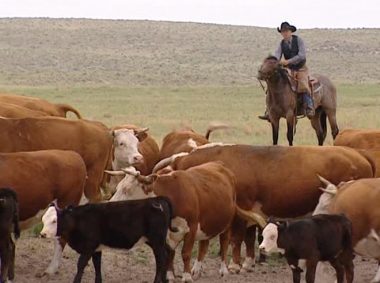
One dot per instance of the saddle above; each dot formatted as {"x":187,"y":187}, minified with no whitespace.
{"x":315,"y":86}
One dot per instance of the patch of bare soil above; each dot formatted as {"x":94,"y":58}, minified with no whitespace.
{"x":33,"y":256}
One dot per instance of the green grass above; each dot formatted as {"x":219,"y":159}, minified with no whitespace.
{"x":163,"y":109}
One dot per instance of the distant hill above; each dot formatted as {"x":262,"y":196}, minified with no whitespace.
{"x":138,"y":53}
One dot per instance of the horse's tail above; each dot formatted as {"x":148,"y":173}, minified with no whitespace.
{"x":323,"y":120}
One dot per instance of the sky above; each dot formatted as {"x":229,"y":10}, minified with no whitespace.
{"x":264,"y":13}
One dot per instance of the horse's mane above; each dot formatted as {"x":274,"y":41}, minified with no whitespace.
{"x":281,"y":71}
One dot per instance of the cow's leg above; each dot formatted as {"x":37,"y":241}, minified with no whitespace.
{"x":346,"y":259}
{"x":59,"y":244}
{"x":339,"y":269}
{"x":238,"y":230}
{"x":311,"y":266}
{"x":249,"y":240}
{"x":82,"y":262}
{"x":187,"y":248}
{"x":290,"y":126}
{"x":97,"y":262}
{"x":275,"y":129}
{"x":170,"y":274}
{"x":160,"y":254}
{"x":11,"y":270}
{"x":196,"y":271}
{"x":4,"y":257}
{"x":224,"y":240}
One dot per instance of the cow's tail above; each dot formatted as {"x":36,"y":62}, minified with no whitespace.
{"x":251,"y":216}
{"x":170,"y":214}
{"x":370,"y":160}
{"x":67,"y":108}
{"x":215,"y":126}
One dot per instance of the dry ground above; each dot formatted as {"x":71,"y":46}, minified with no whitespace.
{"x":33,"y":255}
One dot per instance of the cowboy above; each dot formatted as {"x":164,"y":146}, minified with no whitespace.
{"x":292,"y":48}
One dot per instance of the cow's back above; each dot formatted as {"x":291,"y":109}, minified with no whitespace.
{"x":359,"y":138}
{"x":180,"y":141}
{"x":282,"y":181}
{"x":41,"y":176}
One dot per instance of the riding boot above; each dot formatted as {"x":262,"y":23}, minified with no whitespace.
{"x":309,"y":105}
{"x":265,"y":116}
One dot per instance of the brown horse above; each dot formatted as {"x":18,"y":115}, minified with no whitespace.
{"x":282,"y":101}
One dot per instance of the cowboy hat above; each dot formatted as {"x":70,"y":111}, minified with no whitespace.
{"x":286,"y":26}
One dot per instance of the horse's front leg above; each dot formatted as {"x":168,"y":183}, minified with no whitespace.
{"x":290,"y":119}
{"x":275,"y":128}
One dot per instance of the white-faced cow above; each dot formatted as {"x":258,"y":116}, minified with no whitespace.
{"x":359,"y":201}
{"x":197,"y":194}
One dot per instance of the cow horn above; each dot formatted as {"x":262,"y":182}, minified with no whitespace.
{"x":147,"y":180}
{"x":132,"y":172}
{"x":323,"y":180}
{"x":374,"y":235}
{"x":330,"y":190}
{"x":251,"y":216}
{"x":165,"y":162}
{"x":115,"y":173}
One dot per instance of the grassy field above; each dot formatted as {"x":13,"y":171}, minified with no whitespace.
{"x":163,"y":109}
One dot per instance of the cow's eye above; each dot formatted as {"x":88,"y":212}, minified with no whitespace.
{"x":272,"y":237}
{"x":121,"y":144}
{"x":54,"y":221}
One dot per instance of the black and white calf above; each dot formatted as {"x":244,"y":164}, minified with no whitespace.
{"x":8,"y":225}
{"x":317,"y":238}
{"x":118,"y":224}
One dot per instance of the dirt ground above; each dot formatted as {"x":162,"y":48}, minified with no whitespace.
{"x":33,"y":256}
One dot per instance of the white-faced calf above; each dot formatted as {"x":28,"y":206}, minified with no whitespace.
{"x":317,"y":238}
{"x":114,"y":224}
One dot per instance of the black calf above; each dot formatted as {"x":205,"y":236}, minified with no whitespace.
{"x":8,"y":224}
{"x":118,"y":225}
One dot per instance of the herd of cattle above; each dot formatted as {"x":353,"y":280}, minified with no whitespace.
{"x":186,"y":191}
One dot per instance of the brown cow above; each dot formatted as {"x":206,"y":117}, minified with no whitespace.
{"x":359,"y":201}
{"x":185,"y":140}
{"x":196,"y":194}
{"x":277,"y":181}
{"x":359,"y":138}
{"x":90,"y":139}
{"x":38,"y":178}
{"x":8,"y":110}
{"x":39,"y":104}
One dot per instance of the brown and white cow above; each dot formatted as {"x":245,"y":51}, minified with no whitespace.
{"x":185,"y":140}
{"x":197,"y":196}
{"x":359,"y":201}
{"x":8,"y":110}
{"x":39,"y":104}
{"x":132,"y":146}
{"x":38,"y":178}
{"x":275,"y":180}
{"x":90,"y":139}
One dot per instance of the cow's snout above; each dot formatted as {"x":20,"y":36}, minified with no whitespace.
{"x":138,"y":159}
{"x":43,"y":235}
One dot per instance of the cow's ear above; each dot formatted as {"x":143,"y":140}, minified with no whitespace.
{"x":271,"y":220}
{"x":282,"y":225}
{"x":112,"y":133}
{"x":141,"y":134}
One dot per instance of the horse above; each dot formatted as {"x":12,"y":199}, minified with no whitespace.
{"x":282,"y":101}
